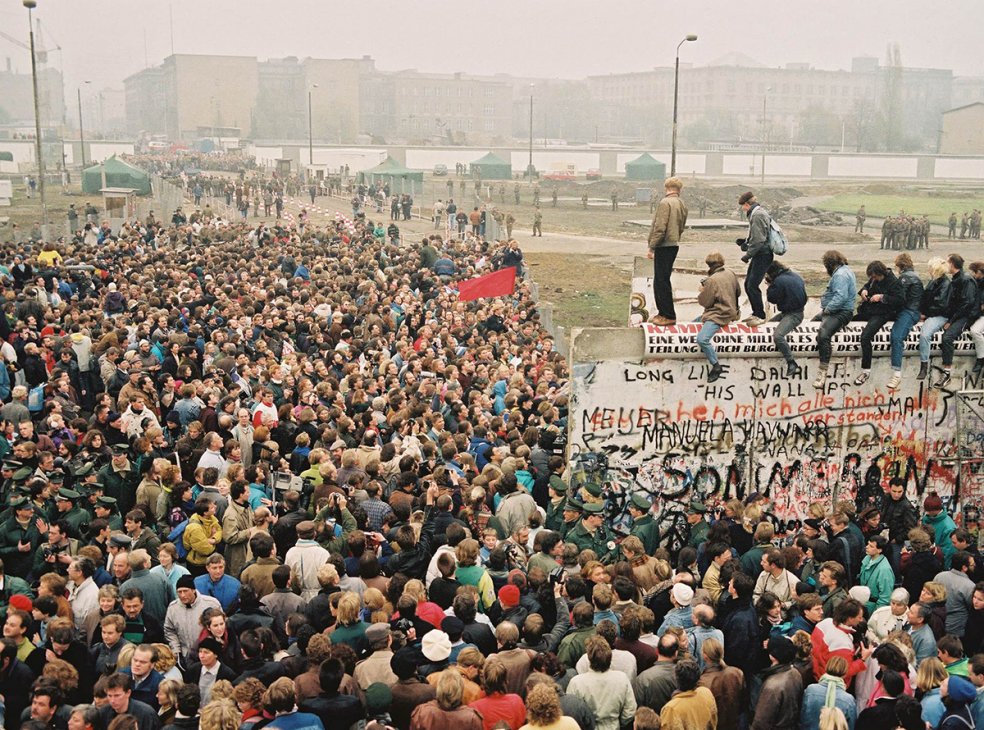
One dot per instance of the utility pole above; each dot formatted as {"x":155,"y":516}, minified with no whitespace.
{"x":30,"y":5}
{"x":81,"y":132}
{"x":676,"y":95}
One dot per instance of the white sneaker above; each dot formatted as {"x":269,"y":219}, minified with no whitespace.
{"x":862,"y":377}
{"x":821,"y":380}
{"x":894,"y":382}
{"x":754,"y":321}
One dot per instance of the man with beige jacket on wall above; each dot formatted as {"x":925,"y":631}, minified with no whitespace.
{"x":718,"y":296}
{"x":664,"y":242}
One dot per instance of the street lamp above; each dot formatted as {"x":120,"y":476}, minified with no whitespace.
{"x":310,"y":132}
{"x":765,"y":99}
{"x":676,"y":94}
{"x":81,"y":132}
{"x":529,"y":166}
{"x":30,"y":5}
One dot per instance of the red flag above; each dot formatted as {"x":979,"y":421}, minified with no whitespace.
{"x":499,"y":283}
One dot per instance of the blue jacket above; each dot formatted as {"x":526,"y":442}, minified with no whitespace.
{"x":933,"y":708}
{"x":814,"y":698}
{"x":787,"y":292}
{"x":842,"y":291}
{"x":226,"y":591}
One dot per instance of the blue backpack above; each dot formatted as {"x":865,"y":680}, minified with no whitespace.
{"x":176,"y":538}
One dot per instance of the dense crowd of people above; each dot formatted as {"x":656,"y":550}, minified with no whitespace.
{"x":279,"y":475}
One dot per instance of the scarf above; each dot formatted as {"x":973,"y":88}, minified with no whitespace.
{"x":833,"y":684}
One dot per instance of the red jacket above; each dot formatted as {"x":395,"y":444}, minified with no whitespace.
{"x":830,"y":640}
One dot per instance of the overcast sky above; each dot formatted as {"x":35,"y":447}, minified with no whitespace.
{"x":104,"y":40}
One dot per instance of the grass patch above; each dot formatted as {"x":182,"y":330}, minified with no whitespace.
{"x":881,"y":206}
{"x":585,"y":291}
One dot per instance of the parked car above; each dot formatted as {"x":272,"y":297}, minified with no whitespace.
{"x":593,"y":174}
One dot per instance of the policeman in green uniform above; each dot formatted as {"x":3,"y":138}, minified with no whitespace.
{"x":120,"y":479}
{"x":68,"y":510}
{"x":557,"y":489}
{"x":698,"y":525}
{"x":591,"y":534}
{"x":571,"y":516}
{"x":643,"y":526}
{"x":105,"y":509}
{"x":19,"y":538}
{"x":7,"y":470}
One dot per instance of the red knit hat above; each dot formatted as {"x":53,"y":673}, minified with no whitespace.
{"x":509,"y":596}
{"x":21,"y":602}
{"x":932,"y":502}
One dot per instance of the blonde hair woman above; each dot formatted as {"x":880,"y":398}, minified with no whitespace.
{"x":446,"y":710}
{"x":929,"y":677}
{"x":220,"y":714}
{"x":543,"y":711}
{"x":934,"y":309}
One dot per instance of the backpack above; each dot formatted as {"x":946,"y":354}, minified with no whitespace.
{"x":778,"y":243}
{"x":35,"y":399}
{"x":176,"y":538}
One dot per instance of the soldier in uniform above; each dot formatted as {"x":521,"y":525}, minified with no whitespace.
{"x":510,"y":222}
{"x":7,"y":470}
{"x":571,"y":516}
{"x":19,"y":538}
{"x":952,"y":223}
{"x":119,"y":478}
{"x":536,"y":193}
{"x":557,"y":491}
{"x":105,"y":509}
{"x":553,"y":197}
{"x":516,"y":193}
{"x":538,"y":222}
{"x":592,"y":534}
{"x":964,"y":224}
{"x":859,"y":220}
{"x":975,"y":224}
{"x":643,"y":526}
{"x":614,"y":198}
{"x":698,"y":525}
{"x":74,"y":516}
{"x":584,"y":200}
{"x":886,"y":233}
{"x":924,"y":232}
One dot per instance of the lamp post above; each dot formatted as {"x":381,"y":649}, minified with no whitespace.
{"x":676,"y":94}
{"x":310,"y":131}
{"x":529,"y":166}
{"x":81,"y":132}
{"x":765,"y":100}
{"x":30,"y":5}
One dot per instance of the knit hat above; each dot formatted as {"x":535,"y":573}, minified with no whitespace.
{"x":509,"y":596}
{"x":960,"y":689}
{"x":860,"y":593}
{"x":403,"y":663}
{"x":932,"y":503}
{"x":211,"y":645}
{"x":683,"y":594}
{"x":436,"y":646}
{"x":21,"y":602}
{"x":186,"y":581}
{"x":378,"y":698}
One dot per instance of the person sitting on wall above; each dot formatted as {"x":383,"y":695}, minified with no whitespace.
{"x":881,"y":301}
{"x":788,"y":292}
{"x":837,"y":308}
{"x":718,"y":296}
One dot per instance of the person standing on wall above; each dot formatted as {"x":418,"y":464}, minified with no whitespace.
{"x":788,"y":292}
{"x":664,"y":243}
{"x":718,"y":296}
{"x":758,"y":254}
{"x":837,"y":308}
{"x":881,"y":301}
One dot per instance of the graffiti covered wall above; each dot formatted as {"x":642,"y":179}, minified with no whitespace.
{"x":656,"y":425}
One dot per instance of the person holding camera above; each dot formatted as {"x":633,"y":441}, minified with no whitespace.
{"x":758,"y":254}
{"x":57,"y":554}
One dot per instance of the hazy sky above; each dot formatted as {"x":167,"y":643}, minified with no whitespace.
{"x":104,"y":40}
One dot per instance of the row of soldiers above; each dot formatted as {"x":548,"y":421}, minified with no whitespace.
{"x":970,"y":225}
{"x":905,"y":232}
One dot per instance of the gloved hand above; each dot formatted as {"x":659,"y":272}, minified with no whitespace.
{"x":746,"y":258}
{"x":740,"y":241}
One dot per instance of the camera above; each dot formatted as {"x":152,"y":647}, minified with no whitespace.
{"x":558,"y":575}
{"x":46,"y":552}
{"x":405,"y":625}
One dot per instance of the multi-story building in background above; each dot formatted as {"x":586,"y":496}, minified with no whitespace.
{"x":732,"y":102}
{"x":17,"y":97}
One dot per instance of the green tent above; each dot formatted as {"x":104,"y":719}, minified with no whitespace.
{"x":492,"y":167}
{"x":401,"y":179}
{"x":645,"y":167}
{"x":115,"y":173}
{"x":6,"y":156}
